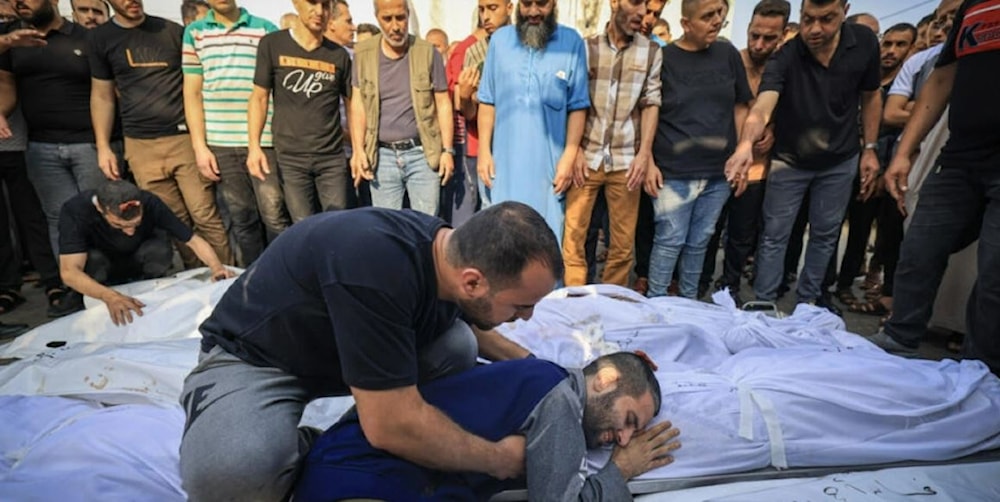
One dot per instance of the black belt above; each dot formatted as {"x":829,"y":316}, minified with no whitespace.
{"x":405,"y":144}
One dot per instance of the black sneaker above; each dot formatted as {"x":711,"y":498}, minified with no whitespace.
{"x":70,"y":303}
{"x":827,"y":303}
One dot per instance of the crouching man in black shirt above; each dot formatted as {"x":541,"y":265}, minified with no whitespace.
{"x":117,"y":234}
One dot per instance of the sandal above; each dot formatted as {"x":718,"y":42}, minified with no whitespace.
{"x":846,"y":296}
{"x":55,"y":295}
{"x":874,"y":293}
{"x":9,"y":300}
{"x":871,"y":307}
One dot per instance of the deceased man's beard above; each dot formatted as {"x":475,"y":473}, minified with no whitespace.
{"x":536,"y":36}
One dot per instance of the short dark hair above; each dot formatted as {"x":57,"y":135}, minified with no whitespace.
{"x":907,"y":27}
{"x":636,"y":375}
{"x":823,"y":3}
{"x":120,"y":198}
{"x":501,"y":240}
{"x":928,"y":19}
{"x":368,"y":28}
{"x":189,"y":8}
{"x":774,"y":8}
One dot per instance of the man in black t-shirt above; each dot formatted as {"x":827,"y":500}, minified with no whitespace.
{"x":363,"y":302}
{"x":811,"y":89}
{"x":960,"y":200}
{"x":117,"y":234}
{"x":53,"y":88}
{"x":308,"y":77}
{"x":139,"y":57}
{"x":705,"y":96}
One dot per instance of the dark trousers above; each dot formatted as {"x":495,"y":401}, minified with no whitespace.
{"x":644,"y":230}
{"x":860,"y":216}
{"x":956,"y":206}
{"x":152,"y":259}
{"x":313,"y":183}
{"x":256,"y":208}
{"x":742,"y":219}
{"x":30,"y":222}
{"x":888,"y":240}
{"x":460,"y":197}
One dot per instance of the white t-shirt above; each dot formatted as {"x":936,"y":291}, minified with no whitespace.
{"x":903,"y":85}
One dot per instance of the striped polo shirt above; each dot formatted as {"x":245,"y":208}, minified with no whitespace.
{"x":226,"y":59}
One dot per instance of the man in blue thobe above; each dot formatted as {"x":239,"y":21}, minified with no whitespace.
{"x":533,"y":99}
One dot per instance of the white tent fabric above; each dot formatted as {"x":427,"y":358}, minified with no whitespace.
{"x":91,"y":409}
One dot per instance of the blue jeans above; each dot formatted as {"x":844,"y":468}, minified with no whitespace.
{"x":60,"y":171}
{"x":685,"y":213}
{"x":956,"y":206}
{"x":405,"y":171}
{"x":829,"y":193}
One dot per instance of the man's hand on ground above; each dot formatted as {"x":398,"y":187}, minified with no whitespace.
{"x":120,"y":307}
{"x":509,"y":463}
{"x":647,"y":450}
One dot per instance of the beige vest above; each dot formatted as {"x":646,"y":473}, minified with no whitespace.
{"x":366,"y":55}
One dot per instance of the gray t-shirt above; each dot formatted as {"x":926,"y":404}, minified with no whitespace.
{"x":398,"y":121}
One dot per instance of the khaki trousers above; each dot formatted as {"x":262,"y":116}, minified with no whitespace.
{"x":166,"y":167}
{"x":623,"y":211}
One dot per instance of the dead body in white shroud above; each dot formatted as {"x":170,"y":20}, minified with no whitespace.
{"x":748,"y":391}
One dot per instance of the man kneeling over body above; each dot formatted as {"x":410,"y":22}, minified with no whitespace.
{"x":560,"y":412}
{"x":364,"y":303}
{"x":118,"y":234}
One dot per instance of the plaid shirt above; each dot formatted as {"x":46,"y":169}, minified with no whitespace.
{"x":622,"y":83}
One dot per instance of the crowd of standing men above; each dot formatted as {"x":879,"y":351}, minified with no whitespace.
{"x":662,"y":146}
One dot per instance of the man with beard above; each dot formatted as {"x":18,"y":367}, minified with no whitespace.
{"x":895,"y":46}
{"x":741,"y":216}
{"x":533,"y":101}
{"x":401,"y":116}
{"x":90,"y":13}
{"x":135,"y":61}
{"x":369,"y":306}
{"x":469,"y":60}
{"x":812,"y":96}
{"x":624,"y":68}
{"x":53,"y":87}
{"x":705,"y":100}
{"x":616,"y":395}
{"x":218,"y":82}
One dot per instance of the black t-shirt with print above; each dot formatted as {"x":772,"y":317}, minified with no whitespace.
{"x":145,"y":64}
{"x":974,"y":119}
{"x":307,"y":87}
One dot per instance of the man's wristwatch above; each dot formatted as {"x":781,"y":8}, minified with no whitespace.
{"x":871,"y":146}
{"x":449,"y":151}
